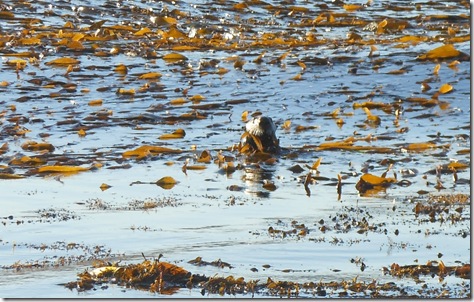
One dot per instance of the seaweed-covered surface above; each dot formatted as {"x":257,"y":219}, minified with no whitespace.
{"x":123,"y":173}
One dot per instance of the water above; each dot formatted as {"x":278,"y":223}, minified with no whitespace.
{"x":47,"y":217}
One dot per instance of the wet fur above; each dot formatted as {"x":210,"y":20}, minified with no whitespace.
{"x":260,"y":126}
{"x":263,"y":128}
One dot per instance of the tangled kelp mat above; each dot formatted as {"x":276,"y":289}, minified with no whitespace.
{"x":336,"y":229}
{"x":166,"y":279}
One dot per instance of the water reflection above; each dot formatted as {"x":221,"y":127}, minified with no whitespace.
{"x":256,"y":176}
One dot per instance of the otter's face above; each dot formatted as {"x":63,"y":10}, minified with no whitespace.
{"x":264,"y":129}
{"x":261,"y":126}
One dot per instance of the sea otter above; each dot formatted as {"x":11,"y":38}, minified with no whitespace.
{"x":260,"y":135}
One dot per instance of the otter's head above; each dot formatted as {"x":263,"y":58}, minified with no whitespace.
{"x":260,"y":126}
{"x":263,"y":129}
